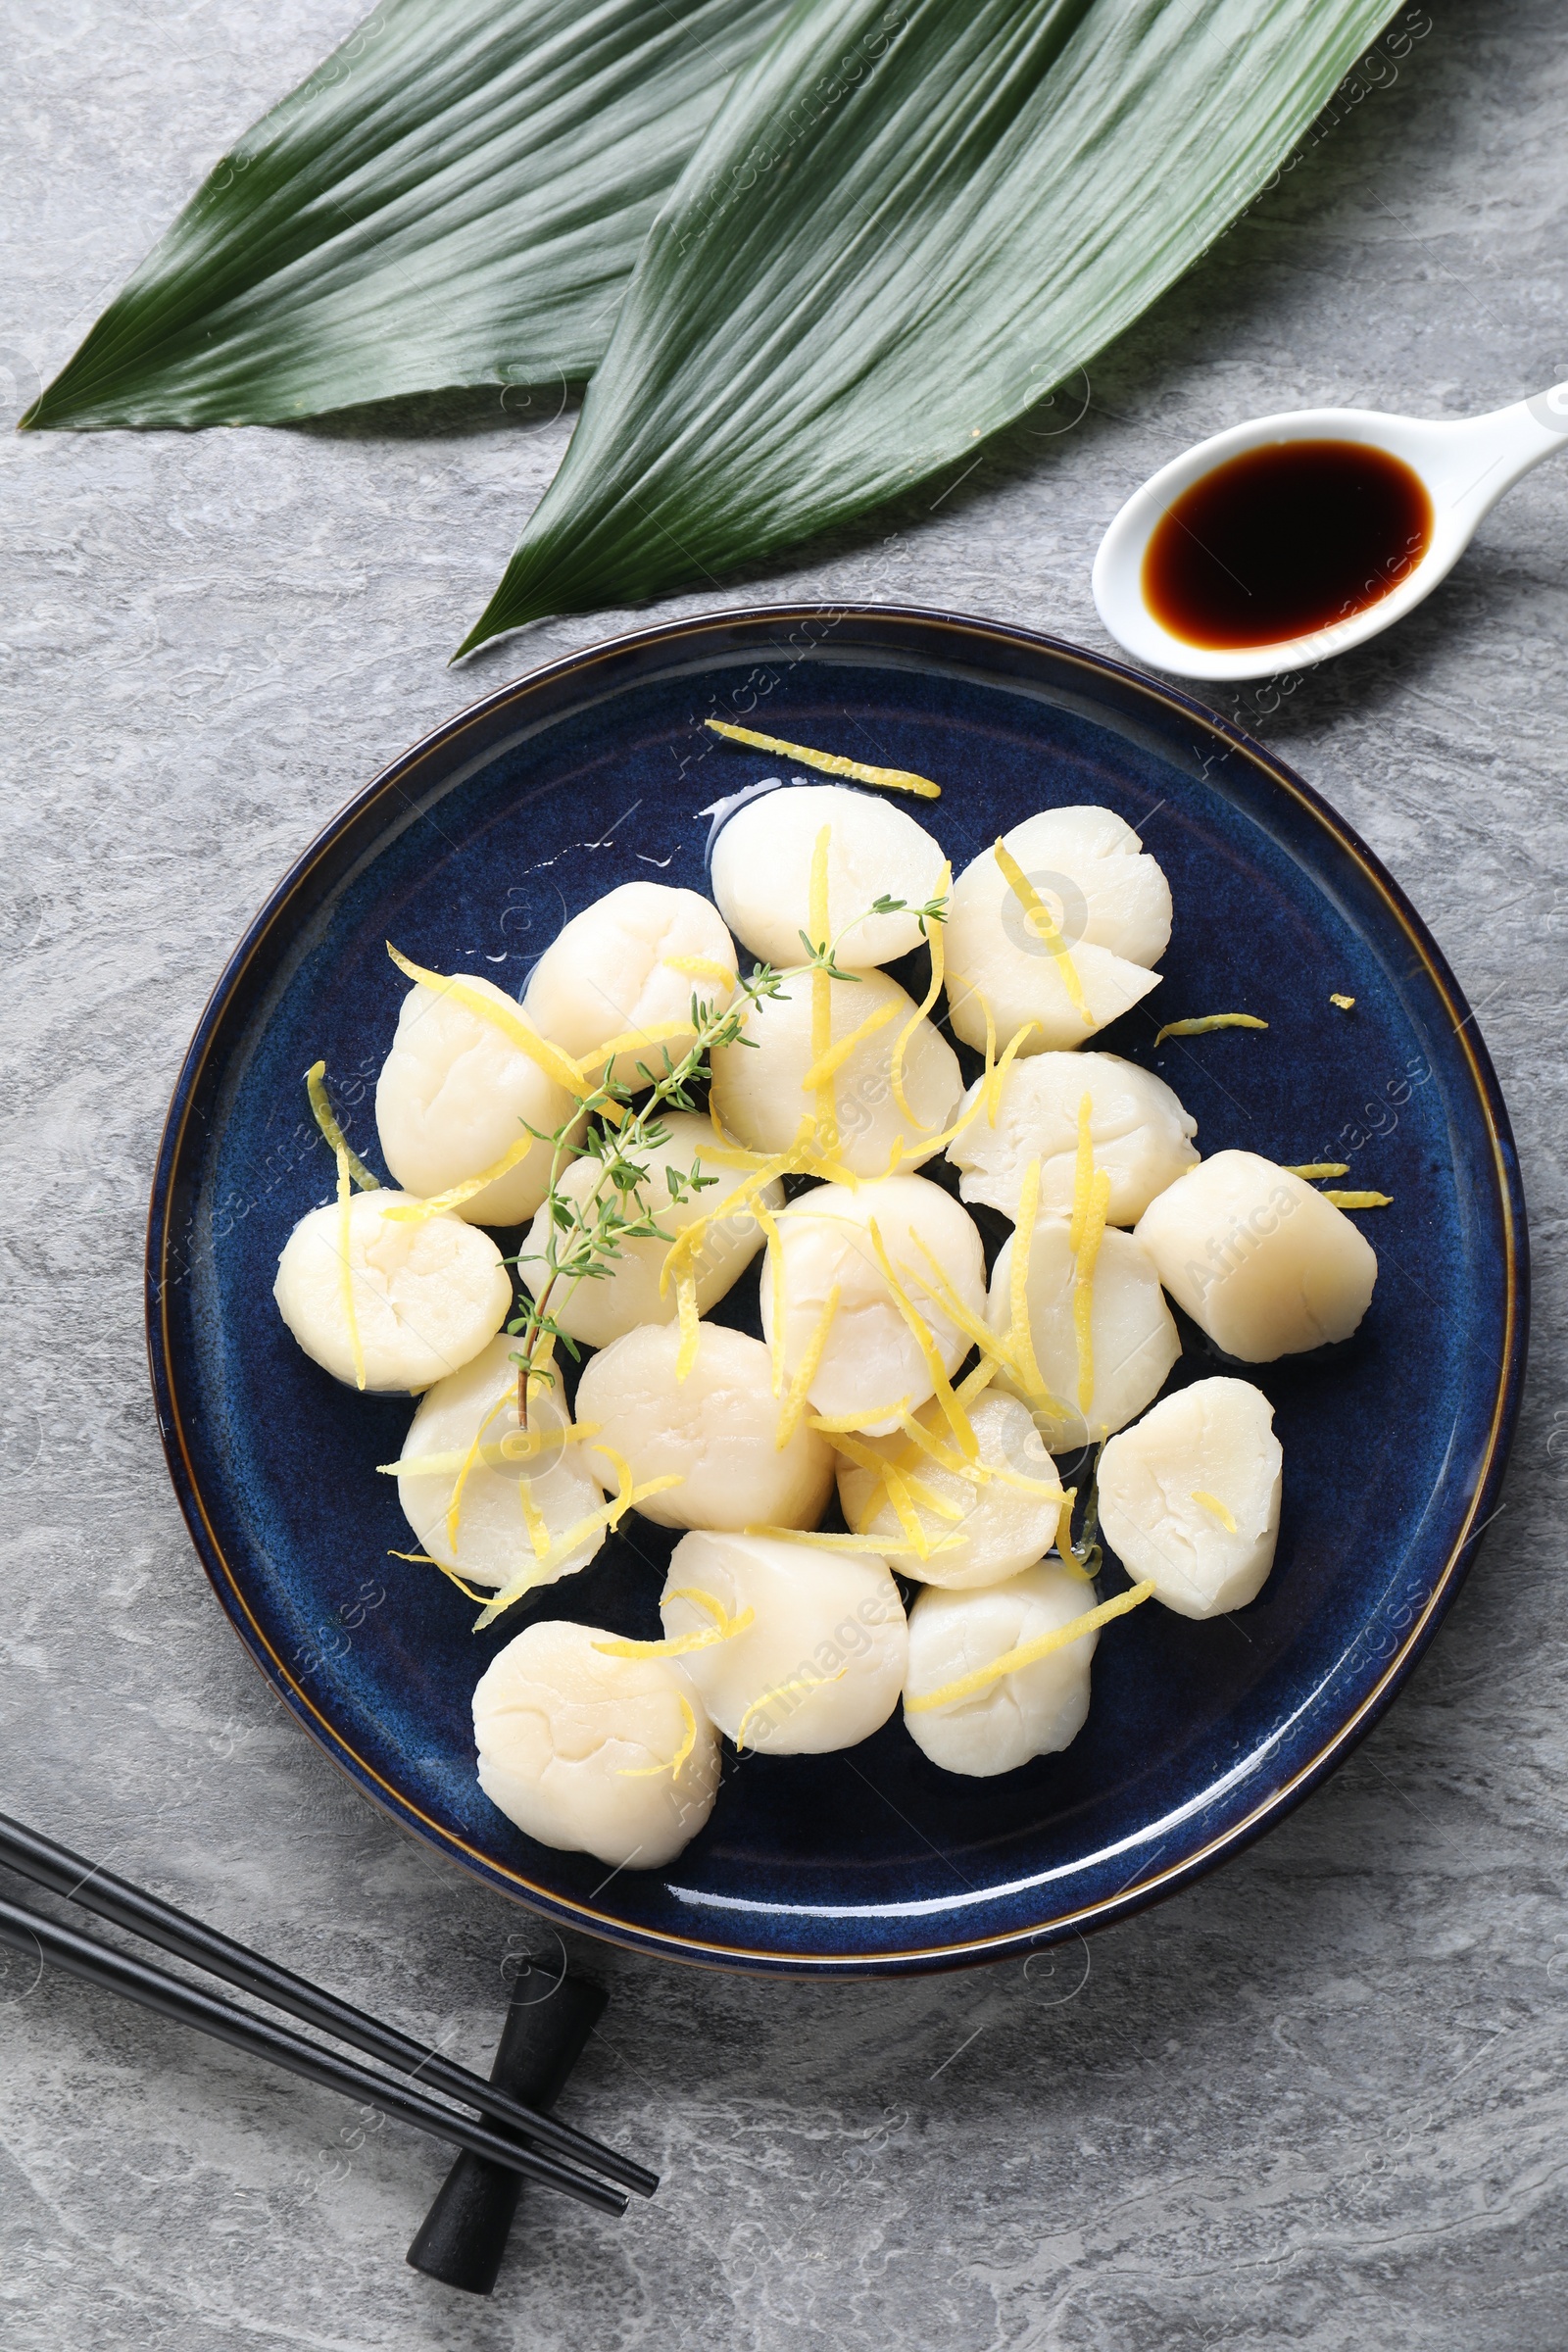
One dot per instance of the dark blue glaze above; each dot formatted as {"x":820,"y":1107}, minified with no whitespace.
{"x":469,"y":854}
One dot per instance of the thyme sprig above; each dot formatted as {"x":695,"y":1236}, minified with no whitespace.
{"x":822,"y":954}
{"x":585,"y":1237}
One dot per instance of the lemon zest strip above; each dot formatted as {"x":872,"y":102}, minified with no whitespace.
{"x":656,"y":1033}
{"x":337,"y":1143}
{"x":1020,"y":1335}
{"x":440,"y":1204}
{"x":552,"y":1059}
{"x":1028,"y":1653}
{"x":533,"y":1519}
{"x":1361,"y":1200}
{"x":518,"y":1445}
{"x":347,"y":1165}
{"x":1209,"y":1021}
{"x":700,"y":967}
{"x":680,"y":1646}
{"x":913,"y":1431}
{"x":974,"y":1473}
{"x":831,"y":763}
{"x":900,"y":1481}
{"x":925,"y":1339}
{"x":1041,"y":1488}
{"x":954,"y":1307}
{"x":1343,"y":1003}
{"x":470,"y":1457}
{"x":831,"y":1171}
{"x":927,"y":1146}
{"x":901,"y":1494}
{"x":655,"y":1772}
{"x":744,"y":1198}
{"x":991,"y":1082}
{"x":806,"y":1372}
{"x":885,"y":1480}
{"x":441,"y":1465}
{"x":728,"y":1151}
{"x":1216,"y":1508}
{"x":428,"y":1559}
{"x":865,"y":1455}
{"x":782,"y":1691}
{"x":1083,"y":1172}
{"x":800,"y":1160}
{"x":1042,"y":924}
{"x":704,"y":1600}
{"x":979,"y":1473}
{"x":1313,"y":1168}
{"x":903,"y":1491}
{"x":775,"y":1261}
{"x":345,"y":1231}
{"x":834,"y":1425}
{"x":608,"y":1516}
{"x":730,"y":1155}
{"x":938,"y":972}
{"x":816,"y":1541}
{"x":940,"y":1504}
{"x":1083,"y":1286}
{"x":991,"y":1094}
{"x":690,"y":1326}
{"x":1068,"y":1558}
{"x":970,"y":1386}
{"x":821,"y":1073}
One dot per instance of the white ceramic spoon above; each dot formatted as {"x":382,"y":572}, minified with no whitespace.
{"x":1466,"y":468}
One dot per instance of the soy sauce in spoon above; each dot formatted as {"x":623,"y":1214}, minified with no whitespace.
{"x":1285,"y":539}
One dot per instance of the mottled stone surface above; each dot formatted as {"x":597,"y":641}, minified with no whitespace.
{"x":1319,"y":2101}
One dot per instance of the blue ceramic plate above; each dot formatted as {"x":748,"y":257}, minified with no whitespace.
{"x":470,"y":852}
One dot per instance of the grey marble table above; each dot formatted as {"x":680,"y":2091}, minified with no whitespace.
{"x":1317,"y":2101}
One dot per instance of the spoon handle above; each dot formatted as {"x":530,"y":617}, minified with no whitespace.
{"x":1494,"y":452}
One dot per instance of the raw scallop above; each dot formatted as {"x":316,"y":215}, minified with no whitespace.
{"x":426,"y":1295}
{"x":759,"y":1084}
{"x":1258,"y":1260}
{"x":1031,"y":1712}
{"x":1110,"y":906}
{"x":761,"y":873}
{"x":1190,"y":1497}
{"x":1134,"y":1341}
{"x":579,"y":1748}
{"x":467,"y":1424}
{"x":871,"y":1361}
{"x":821,"y":1664}
{"x":717,"y":1431}
{"x":456,"y":1092}
{"x":632,"y":962}
{"x":599,"y":1308}
{"x":1000,"y":1527}
{"x":1139,"y":1128}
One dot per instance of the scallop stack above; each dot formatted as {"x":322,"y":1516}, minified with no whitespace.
{"x":942,"y":1415}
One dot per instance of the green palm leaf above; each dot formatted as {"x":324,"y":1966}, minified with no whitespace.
{"x":906,"y":224}
{"x":457,"y":196}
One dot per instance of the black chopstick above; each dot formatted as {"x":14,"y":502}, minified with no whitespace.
{"x":56,"y":1867}
{"x":172,"y":1996}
